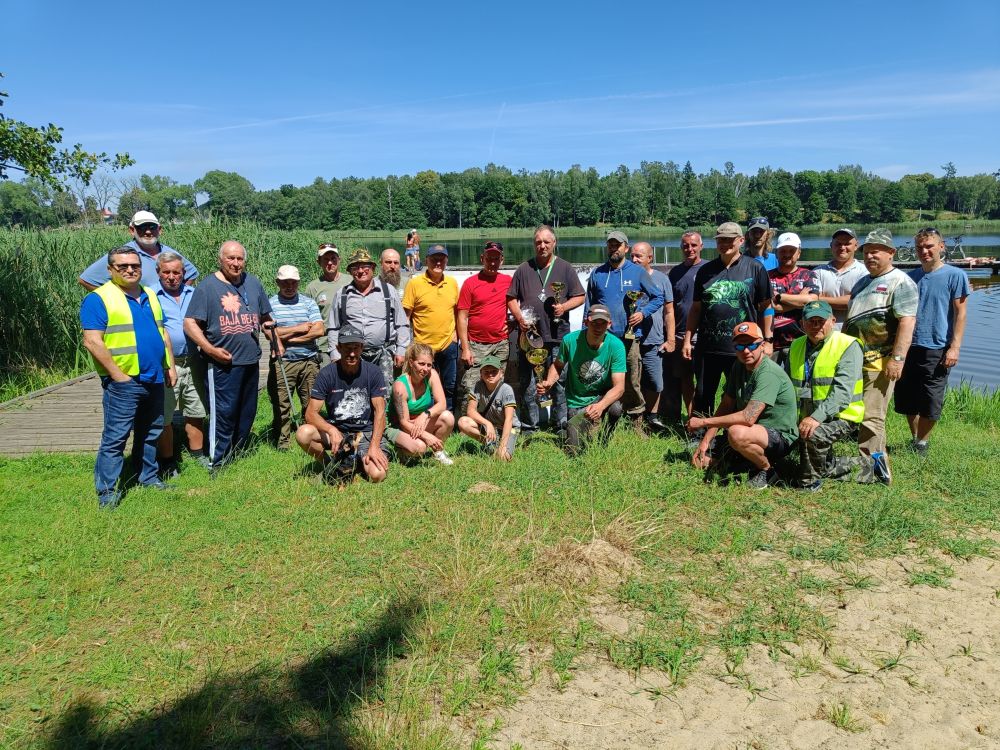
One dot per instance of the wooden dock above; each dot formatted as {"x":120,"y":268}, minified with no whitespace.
{"x":63,"y":418}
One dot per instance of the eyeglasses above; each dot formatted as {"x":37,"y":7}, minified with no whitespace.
{"x":143,"y":228}
{"x":123,"y":267}
{"x":749,"y":347}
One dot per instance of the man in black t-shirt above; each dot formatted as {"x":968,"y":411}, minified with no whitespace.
{"x":729,"y":290}
{"x":227,"y":311}
{"x":532,"y":289}
{"x":350,"y":437}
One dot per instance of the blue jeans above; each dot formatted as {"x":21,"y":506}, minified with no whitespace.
{"x":128,"y":407}
{"x":530,"y":415}
{"x":446,"y":363}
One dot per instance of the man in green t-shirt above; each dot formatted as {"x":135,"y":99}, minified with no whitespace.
{"x":758,"y":411}
{"x":595,"y":379}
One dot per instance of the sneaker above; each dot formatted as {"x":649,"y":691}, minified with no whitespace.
{"x":920,"y":447}
{"x":881,"y":468}
{"x":157,"y":485}
{"x":443,"y":458}
{"x":760,"y":479}
{"x":203,"y":461}
{"x":812,"y":486}
{"x":655,"y":424}
{"x":169,"y":470}
{"x":109,"y":501}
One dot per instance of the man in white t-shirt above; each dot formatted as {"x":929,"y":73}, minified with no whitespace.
{"x":838,"y":277}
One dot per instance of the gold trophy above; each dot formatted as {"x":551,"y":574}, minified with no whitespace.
{"x":557,"y":290}
{"x":629,"y":309}
{"x":537,"y":358}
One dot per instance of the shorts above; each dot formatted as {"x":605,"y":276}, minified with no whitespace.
{"x":511,"y":441}
{"x":920,"y":389}
{"x":363,"y":442}
{"x":777,"y":445}
{"x":183,"y":395}
{"x":652,"y":368}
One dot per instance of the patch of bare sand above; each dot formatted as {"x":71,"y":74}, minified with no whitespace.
{"x":944,"y":693}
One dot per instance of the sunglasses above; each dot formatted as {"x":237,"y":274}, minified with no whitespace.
{"x":493,"y":246}
{"x":762,"y":220}
{"x":147,"y":228}
{"x":751,"y":347}
{"x":123,"y":267}
{"x":328,"y":246}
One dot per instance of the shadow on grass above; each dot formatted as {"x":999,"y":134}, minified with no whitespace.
{"x":302,"y":707}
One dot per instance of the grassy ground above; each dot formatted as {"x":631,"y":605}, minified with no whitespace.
{"x":264,"y":609}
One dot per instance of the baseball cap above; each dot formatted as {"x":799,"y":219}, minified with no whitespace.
{"x":816,"y":309}
{"x":759,"y":222}
{"x":491,"y":361}
{"x":287,"y":272}
{"x":617,"y":235}
{"x":361,"y":255}
{"x":728,"y":229}
{"x":348,"y":334}
{"x":881,"y":237}
{"x":747,"y":330}
{"x":491,"y":245}
{"x":327,"y":247}
{"x":599,"y":312}
{"x":144,"y":217}
{"x":437,"y":250}
{"x":845,"y":230}
{"x":788,"y":238}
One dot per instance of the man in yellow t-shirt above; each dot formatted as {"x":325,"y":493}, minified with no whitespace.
{"x":431,"y":301}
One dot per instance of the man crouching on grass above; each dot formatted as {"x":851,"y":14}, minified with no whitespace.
{"x":758,"y":411}
{"x":351,"y":436}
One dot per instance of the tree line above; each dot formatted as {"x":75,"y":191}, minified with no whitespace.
{"x":657,"y":193}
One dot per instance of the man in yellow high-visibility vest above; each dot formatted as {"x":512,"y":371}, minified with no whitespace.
{"x":123,"y":330}
{"x":825,"y":368}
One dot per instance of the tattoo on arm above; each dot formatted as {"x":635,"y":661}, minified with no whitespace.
{"x":752,"y":411}
{"x":399,"y":399}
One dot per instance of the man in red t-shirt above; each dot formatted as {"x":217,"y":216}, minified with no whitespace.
{"x":482,"y":316}
{"x":792,"y":288}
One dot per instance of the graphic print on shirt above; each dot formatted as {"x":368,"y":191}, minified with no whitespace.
{"x":734,"y":295}
{"x":591,"y":372}
{"x":352,"y":406}
{"x":233,"y":321}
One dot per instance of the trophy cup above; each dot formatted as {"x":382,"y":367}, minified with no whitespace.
{"x":537,"y":358}
{"x":557,"y":290}
{"x":631,"y":297}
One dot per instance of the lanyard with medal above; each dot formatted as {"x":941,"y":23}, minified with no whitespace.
{"x":541,"y":294}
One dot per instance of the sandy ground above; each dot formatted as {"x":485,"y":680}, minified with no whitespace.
{"x":944,"y":693}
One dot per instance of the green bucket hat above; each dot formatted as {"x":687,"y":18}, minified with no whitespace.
{"x":881,"y":237}
{"x":361,"y":255}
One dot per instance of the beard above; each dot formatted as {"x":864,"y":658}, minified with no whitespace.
{"x":391,"y":277}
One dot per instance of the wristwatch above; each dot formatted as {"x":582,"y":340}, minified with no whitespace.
{"x":897,"y":358}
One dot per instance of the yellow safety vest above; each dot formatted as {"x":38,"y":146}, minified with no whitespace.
{"x":824,"y":369}
{"x":119,"y":336}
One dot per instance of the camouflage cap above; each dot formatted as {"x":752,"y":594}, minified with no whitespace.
{"x":881,"y":237}
{"x":361,"y":255}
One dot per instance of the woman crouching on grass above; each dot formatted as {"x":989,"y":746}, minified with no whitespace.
{"x":490,"y":416}
{"x":420,"y":416}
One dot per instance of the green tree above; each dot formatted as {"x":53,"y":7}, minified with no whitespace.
{"x":35,"y":152}
{"x":891,"y":203}
{"x":229,"y":194}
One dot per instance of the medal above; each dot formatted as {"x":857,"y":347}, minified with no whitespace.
{"x":541,"y":296}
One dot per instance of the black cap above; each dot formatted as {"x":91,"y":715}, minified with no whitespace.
{"x":350,"y":335}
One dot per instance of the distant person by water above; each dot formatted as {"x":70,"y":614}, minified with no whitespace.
{"x":412,"y":252}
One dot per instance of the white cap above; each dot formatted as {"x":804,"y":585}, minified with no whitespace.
{"x":788,"y":239}
{"x":144,"y":217}
{"x":287,"y":272}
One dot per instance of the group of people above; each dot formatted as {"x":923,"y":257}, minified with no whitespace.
{"x":375,"y":354}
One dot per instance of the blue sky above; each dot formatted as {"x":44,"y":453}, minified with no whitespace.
{"x":287,"y":92}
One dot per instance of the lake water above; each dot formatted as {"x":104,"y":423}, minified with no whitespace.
{"x":979,"y":363}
